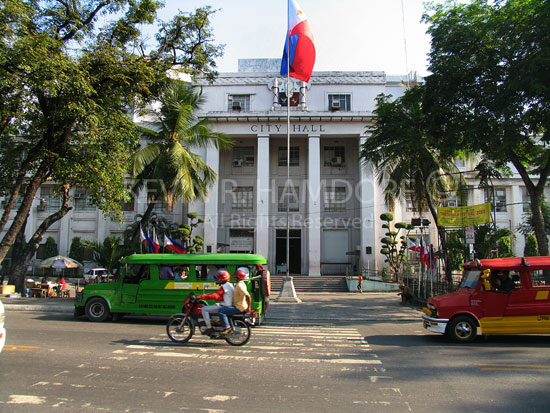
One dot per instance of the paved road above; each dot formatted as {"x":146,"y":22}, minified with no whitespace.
{"x":53,"y":362}
{"x":315,"y":307}
{"x":372,"y":355}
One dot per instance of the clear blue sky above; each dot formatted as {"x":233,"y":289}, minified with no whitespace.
{"x":349,"y":34}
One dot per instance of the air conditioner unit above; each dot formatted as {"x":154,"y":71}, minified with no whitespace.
{"x":237,"y":162}
{"x":336,"y":161}
{"x":236,"y":106}
{"x":335,"y":105}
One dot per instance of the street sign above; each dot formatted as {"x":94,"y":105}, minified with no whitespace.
{"x":470,"y":235}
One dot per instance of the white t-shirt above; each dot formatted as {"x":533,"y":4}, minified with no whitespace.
{"x":228,"y":294}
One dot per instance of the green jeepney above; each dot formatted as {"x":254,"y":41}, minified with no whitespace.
{"x":140,"y":288}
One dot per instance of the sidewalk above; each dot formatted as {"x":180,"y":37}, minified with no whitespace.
{"x":315,"y":307}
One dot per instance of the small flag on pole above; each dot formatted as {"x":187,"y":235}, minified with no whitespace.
{"x":156,"y":244}
{"x":145,"y":239}
{"x":433,"y":257}
{"x":298,"y":44}
{"x":174,"y":245}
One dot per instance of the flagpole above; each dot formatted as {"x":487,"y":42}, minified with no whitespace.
{"x":288,"y":138}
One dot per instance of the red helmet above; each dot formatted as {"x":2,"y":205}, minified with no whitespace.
{"x":239,"y":275}
{"x":222,"y":277}
{"x":260,"y":267}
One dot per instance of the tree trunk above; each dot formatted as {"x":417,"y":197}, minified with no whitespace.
{"x":144,"y":218}
{"x":17,"y":257}
{"x":19,"y":182}
{"x":19,"y":267}
{"x":539,"y":224}
{"x":24,"y":209}
{"x":535,"y":193}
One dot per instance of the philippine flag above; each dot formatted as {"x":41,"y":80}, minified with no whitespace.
{"x":173,"y":245}
{"x":433,"y":257}
{"x":424,"y":257}
{"x":145,"y":239}
{"x":411,"y":245}
{"x":156,"y":244}
{"x":301,"y":47}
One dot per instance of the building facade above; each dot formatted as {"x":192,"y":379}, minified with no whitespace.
{"x":315,"y":191}
{"x":318,"y":189}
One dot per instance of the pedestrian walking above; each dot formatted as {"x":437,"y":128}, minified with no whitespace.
{"x":360,"y":283}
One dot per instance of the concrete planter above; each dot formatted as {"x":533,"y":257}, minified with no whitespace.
{"x":372,"y":285}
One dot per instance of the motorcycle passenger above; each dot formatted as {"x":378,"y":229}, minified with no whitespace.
{"x":241,"y":300}
{"x":224,"y":294}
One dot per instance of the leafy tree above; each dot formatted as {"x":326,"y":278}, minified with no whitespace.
{"x":394,"y":247}
{"x":50,"y":248}
{"x":489,"y":90}
{"x":107,"y":253}
{"x":527,"y":227}
{"x":457,"y":250}
{"x":531,"y":247}
{"x":487,"y":238}
{"x":167,"y":159}
{"x":185,"y":233}
{"x":504,"y":247}
{"x":76,"y":251}
{"x":66,"y":84}
{"x":406,"y":159}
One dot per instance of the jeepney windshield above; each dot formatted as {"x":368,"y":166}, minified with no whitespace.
{"x":470,"y":279}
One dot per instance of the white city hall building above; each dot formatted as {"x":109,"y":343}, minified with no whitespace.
{"x":331,"y":203}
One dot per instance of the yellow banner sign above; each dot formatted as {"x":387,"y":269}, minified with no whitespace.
{"x":464,"y":216}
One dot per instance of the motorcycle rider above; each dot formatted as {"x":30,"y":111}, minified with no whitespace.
{"x":224,"y":294}
{"x":241,"y":300}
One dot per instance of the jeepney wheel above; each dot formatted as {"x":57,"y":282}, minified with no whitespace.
{"x":97,"y":309}
{"x":179,"y":331}
{"x":463,"y":329}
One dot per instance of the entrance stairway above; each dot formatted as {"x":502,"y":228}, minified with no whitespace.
{"x":304,"y":283}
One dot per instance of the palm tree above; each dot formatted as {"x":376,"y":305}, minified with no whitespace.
{"x":167,"y":159}
{"x":406,"y":160}
{"x":107,"y":253}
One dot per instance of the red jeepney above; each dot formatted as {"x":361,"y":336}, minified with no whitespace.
{"x":498,"y":296}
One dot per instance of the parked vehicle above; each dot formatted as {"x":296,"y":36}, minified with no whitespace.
{"x":2,"y":328}
{"x":141,"y":289}
{"x":96,"y":275}
{"x":181,"y":327}
{"x":497,"y":296}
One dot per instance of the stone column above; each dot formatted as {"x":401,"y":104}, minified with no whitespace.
{"x":103,"y":226}
{"x":211,"y":203}
{"x":515,"y":214}
{"x":262,"y":197}
{"x":141,"y":201}
{"x":313,"y":193}
{"x":368,"y":213}
{"x":65,"y":233}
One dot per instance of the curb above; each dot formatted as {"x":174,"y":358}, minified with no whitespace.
{"x":281,"y":320}
{"x":38,"y":307}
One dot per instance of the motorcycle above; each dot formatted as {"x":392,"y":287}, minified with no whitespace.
{"x":181,"y":327}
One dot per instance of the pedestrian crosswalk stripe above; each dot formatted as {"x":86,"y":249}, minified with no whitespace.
{"x":263,"y":358}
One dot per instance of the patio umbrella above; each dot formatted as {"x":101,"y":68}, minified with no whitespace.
{"x":59,"y":262}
